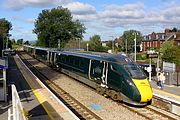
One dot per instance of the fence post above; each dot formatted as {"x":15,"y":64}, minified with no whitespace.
{"x":177,"y":79}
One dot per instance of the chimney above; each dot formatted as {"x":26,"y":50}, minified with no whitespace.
{"x":167,"y":31}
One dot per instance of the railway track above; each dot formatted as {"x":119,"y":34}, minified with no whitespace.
{"x":81,"y":111}
{"x":148,"y":112}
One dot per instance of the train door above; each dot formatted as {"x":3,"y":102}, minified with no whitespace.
{"x":104,"y":74}
{"x":98,"y":71}
{"x":48,"y":57}
{"x":115,"y":77}
{"x":54,"y":58}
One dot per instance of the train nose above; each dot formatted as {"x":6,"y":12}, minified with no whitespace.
{"x":146,"y":93}
{"x":144,"y":89}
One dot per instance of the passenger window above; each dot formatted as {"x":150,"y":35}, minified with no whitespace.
{"x":76,"y":62}
{"x":81,"y":64}
{"x":71,"y":60}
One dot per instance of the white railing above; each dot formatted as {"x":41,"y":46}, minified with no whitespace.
{"x":17,"y":109}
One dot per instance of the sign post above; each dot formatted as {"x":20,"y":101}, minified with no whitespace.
{"x":151,"y":54}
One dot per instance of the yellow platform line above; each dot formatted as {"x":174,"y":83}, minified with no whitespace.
{"x":164,"y":92}
{"x":36,"y":92}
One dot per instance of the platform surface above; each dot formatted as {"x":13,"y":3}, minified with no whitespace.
{"x":37,"y":101}
{"x":168,"y":91}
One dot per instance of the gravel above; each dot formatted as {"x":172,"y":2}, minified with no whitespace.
{"x":110,"y":110}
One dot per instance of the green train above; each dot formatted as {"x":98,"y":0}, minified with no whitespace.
{"x":113,"y":75}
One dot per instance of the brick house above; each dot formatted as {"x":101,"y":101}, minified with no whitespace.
{"x":155,"y":40}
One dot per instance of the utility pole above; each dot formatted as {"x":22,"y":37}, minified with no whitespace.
{"x":87,"y":46}
{"x":6,"y":41}
{"x":7,"y":35}
{"x":150,"y":69}
{"x":112,"y":43}
{"x":59,"y":44}
{"x":126,"y":46}
{"x":135,"y":46}
{"x":79,"y":42}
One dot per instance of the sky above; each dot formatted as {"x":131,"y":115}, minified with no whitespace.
{"x":107,"y":18}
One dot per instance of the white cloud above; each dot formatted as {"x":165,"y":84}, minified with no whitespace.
{"x":82,"y":11}
{"x":18,"y":18}
{"x":127,"y":16}
{"x":85,"y":18}
{"x":136,"y":15}
{"x":128,"y":11}
{"x":20,"y":4}
{"x":78,"y":8}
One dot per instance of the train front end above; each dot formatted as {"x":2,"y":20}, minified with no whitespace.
{"x":140,"y":86}
{"x":144,"y":90}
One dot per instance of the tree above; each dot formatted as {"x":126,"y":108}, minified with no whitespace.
{"x":170,"y":52}
{"x":13,"y":41}
{"x":56,"y":25}
{"x":5,"y":27}
{"x":174,"y":29}
{"x":95,"y":44}
{"x":20,"y":41}
{"x":129,"y":36}
{"x":26,"y":42}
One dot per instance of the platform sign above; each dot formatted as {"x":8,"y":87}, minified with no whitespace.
{"x":3,"y":64}
{"x":169,"y":67}
{"x":153,"y":55}
{"x":3,"y":67}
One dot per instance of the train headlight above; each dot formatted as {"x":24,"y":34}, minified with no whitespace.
{"x":130,"y":83}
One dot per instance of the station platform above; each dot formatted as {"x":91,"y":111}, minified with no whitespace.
{"x":38,"y":102}
{"x":32,"y":107}
{"x":168,"y":91}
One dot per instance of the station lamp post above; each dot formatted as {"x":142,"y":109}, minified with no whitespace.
{"x":87,"y":46}
{"x":135,"y":35}
{"x":151,"y":54}
{"x":112,"y":43}
{"x":59,"y":43}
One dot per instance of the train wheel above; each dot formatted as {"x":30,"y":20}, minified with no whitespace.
{"x":98,"y":89}
{"x":115,"y":97}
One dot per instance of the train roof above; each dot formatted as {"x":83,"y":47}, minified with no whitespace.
{"x":91,"y":55}
{"x":100,"y":56}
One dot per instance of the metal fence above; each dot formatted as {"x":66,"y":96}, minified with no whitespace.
{"x":176,"y":78}
{"x":17,"y":109}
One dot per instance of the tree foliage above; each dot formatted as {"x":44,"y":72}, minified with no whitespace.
{"x":170,"y":52}
{"x":26,"y":42}
{"x":13,"y":41}
{"x":20,"y":41}
{"x":57,"y":25}
{"x":5,"y":26}
{"x":95,"y":44}
{"x":129,"y":36}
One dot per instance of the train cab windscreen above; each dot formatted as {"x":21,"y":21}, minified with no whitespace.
{"x":134,"y":71}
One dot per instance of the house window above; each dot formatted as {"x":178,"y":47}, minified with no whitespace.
{"x":147,"y":44}
{"x":157,"y":37}
{"x":156,"y":44}
{"x":163,"y":37}
{"x":144,"y":37}
{"x":149,"y":37}
{"x":178,"y":43}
